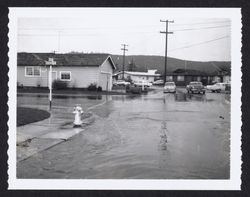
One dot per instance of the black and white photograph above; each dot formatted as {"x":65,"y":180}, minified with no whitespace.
{"x":125,"y":98}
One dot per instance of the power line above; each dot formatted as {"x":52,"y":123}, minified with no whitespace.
{"x":202,"y":23}
{"x":70,"y":35}
{"x":189,"y":29}
{"x":200,"y":43}
{"x":83,"y":34}
{"x":138,"y":26}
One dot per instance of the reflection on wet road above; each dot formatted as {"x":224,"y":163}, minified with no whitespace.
{"x":154,"y":136}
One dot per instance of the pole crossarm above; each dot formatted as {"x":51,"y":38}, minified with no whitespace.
{"x":169,"y":32}
{"x":167,"y":21}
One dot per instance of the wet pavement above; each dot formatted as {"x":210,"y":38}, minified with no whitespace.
{"x":152,"y":136}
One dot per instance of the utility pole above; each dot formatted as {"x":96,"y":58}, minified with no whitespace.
{"x":185,"y":67}
{"x":123,"y":60}
{"x":166,"y":46}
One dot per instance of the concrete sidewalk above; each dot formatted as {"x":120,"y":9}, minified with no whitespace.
{"x":36,"y":137}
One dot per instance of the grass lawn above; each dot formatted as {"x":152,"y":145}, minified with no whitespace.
{"x":28,"y":115}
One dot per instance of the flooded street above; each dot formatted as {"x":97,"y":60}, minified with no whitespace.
{"x":152,"y":136}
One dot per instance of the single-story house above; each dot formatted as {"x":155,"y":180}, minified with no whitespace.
{"x":149,"y":76}
{"x":182,"y":77}
{"x":79,"y":70}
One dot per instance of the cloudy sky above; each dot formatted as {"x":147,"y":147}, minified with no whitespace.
{"x":95,"y":30}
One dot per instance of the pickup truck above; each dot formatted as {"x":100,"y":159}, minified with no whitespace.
{"x":121,"y":83}
{"x":218,"y":87}
{"x":143,"y":83}
{"x":195,"y":87}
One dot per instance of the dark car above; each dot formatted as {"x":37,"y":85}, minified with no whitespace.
{"x":195,"y":87}
{"x":134,"y":89}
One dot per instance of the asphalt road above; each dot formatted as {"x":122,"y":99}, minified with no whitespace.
{"x":153,"y":136}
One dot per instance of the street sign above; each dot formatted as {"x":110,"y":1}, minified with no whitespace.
{"x":51,"y":62}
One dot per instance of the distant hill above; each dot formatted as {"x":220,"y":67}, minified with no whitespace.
{"x":145,"y":62}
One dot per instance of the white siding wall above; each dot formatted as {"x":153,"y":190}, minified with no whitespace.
{"x":81,"y":77}
{"x":142,"y":78}
{"x":105,"y":76}
{"x":32,"y":81}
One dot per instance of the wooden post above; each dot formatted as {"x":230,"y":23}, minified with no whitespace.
{"x":50,"y":62}
{"x":50,"y":87}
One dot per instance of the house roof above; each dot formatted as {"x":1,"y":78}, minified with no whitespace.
{"x":64,"y":59}
{"x":188,"y":72}
{"x":193,"y":72}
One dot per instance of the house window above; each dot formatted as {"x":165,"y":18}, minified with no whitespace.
{"x":37,"y":71}
{"x":32,"y":71}
{"x":65,"y":75}
{"x":180,"y":78}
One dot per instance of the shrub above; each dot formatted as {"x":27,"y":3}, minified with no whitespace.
{"x":19,"y":85}
{"x":92,"y":87}
{"x":99,"y":89}
{"x":59,"y":85}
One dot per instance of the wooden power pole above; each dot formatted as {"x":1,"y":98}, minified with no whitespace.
{"x":166,"y":46}
{"x":123,"y":60}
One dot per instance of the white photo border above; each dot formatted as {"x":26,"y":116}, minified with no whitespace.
{"x":234,"y":183}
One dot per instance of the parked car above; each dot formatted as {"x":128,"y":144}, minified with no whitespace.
{"x":218,"y":87}
{"x":169,"y":87}
{"x":141,"y":83}
{"x":195,"y":87}
{"x":121,"y":83}
{"x":228,"y":88}
{"x":133,"y":89}
{"x":158,"y":82}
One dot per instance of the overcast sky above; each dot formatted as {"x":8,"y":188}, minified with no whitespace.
{"x":201,"y":39}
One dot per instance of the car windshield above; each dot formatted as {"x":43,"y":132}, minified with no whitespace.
{"x":169,"y":84}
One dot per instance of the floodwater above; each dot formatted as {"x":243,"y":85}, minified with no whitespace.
{"x":152,"y":136}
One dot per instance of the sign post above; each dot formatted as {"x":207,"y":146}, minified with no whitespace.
{"x":50,"y":62}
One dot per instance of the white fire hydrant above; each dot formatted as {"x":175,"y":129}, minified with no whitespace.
{"x":78,"y":112}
